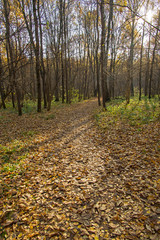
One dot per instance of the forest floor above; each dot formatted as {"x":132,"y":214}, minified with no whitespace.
{"x":70,"y":179}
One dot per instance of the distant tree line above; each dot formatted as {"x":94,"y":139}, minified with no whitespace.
{"x":50,"y":49}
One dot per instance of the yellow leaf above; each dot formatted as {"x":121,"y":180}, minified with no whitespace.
{"x":106,"y":235}
{"x":31,"y":226}
{"x":33,"y":234}
{"x":96,"y":238}
{"x":20,"y":235}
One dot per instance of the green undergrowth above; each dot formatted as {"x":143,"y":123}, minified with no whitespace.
{"x":30,"y":106}
{"x":135,"y":113}
{"x":12,"y":156}
{"x":47,"y":116}
{"x":14,"y":152}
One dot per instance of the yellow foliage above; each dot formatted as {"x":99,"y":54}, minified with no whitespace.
{"x":96,"y":238}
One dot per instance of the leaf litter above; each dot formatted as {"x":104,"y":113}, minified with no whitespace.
{"x":81,"y":182}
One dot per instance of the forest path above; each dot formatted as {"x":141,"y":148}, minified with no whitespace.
{"x":81,"y":183}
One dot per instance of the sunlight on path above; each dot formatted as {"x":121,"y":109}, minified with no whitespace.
{"x":76,"y":185}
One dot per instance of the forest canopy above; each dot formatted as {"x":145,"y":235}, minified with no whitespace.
{"x":66,"y":48}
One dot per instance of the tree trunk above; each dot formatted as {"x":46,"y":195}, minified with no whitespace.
{"x":131,"y":55}
{"x":10,"y":54}
{"x":62,"y":43}
{"x":147,"y":66}
{"x":103,"y":53}
{"x":107,"y":97}
{"x":42,"y":69}
{"x":57,"y":80}
{"x":65,"y":49}
{"x":2,"y":92}
{"x":37,"y":56}
{"x":97,"y":60}
{"x":35,"y":45}
{"x":153,"y":58}
{"x":140,"y":70}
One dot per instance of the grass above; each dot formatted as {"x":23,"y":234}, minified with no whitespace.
{"x":1,"y":118}
{"x":12,"y":156}
{"x":47,"y":116}
{"x":29,"y":133}
{"x":136,"y":113}
{"x":30,"y":106}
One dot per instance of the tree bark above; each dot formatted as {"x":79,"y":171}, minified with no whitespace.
{"x":97,"y":59}
{"x":107,"y":96}
{"x":147,"y":66}
{"x":153,"y":58}
{"x":140,"y":70}
{"x":2,"y":91}
{"x":10,"y":54}
{"x":62,"y":48}
{"x":37,"y":55}
{"x":42,"y":69}
{"x":103,"y":54}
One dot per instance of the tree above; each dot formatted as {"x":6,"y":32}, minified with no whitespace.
{"x":52,"y":49}
{"x":2,"y":91}
{"x":153,"y":57}
{"x":42,"y":65}
{"x":104,"y":86}
{"x":10,"y":54}
{"x":140,"y":69}
{"x":33,"y":6}
{"x":97,"y":58}
{"x":37,"y":54}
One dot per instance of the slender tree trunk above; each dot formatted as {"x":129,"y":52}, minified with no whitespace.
{"x":147,"y":65}
{"x":32,"y":78}
{"x":140,"y":70}
{"x":10,"y":54}
{"x":159,"y":87}
{"x":114,"y":71}
{"x":111,"y":77}
{"x":42,"y":69}
{"x":62,"y":48}
{"x":65,"y":49}
{"x":37,"y":56}
{"x":21,"y":72}
{"x":94,"y":77}
{"x":107,"y":48}
{"x":57,"y":78}
{"x":2,"y":92}
{"x":34,"y":44}
{"x":153,"y":58}
{"x":130,"y":88}
{"x":132,"y":54}
{"x":97,"y":60}
{"x":70,"y":76}
{"x":85,"y":66}
{"x":103,"y":53}
{"x":49,"y":92}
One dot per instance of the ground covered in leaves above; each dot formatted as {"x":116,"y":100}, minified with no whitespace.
{"x":64,"y":177}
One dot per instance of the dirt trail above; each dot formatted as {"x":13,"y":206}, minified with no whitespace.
{"x":79,"y":184}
